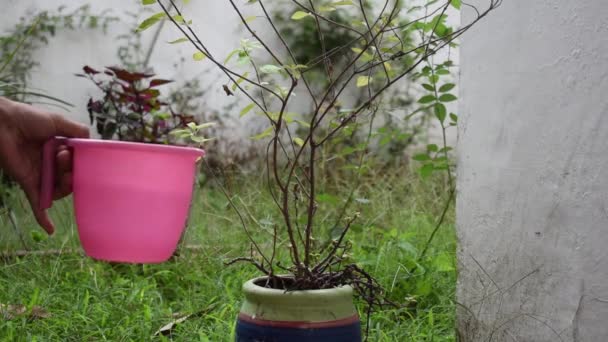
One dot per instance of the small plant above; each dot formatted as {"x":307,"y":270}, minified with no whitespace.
{"x":193,"y":133}
{"x":131,"y":108}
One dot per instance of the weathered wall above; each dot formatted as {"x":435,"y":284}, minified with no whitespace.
{"x":532,"y":205}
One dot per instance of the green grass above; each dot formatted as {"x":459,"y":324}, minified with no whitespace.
{"x":92,"y":301}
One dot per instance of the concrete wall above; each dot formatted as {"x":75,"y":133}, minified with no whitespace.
{"x":532,"y":205}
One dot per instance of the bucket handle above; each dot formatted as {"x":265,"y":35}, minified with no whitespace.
{"x":47,"y":182}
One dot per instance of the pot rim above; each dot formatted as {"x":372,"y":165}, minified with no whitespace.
{"x":251,"y":289}
{"x":303,"y":306}
{"x":140,"y":146}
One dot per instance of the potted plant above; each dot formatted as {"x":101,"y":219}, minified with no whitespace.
{"x":311,"y":297}
{"x":131,"y":108}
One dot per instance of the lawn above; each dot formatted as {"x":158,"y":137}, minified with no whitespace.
{"x":87,"y":300}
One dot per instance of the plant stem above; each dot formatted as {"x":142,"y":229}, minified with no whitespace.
{"x":438,"y":225}
{"x":20,"y":44}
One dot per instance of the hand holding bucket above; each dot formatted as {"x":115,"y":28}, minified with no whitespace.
{"x":131,"y":200}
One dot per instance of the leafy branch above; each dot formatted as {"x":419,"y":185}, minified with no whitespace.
{"x":381,"y":55}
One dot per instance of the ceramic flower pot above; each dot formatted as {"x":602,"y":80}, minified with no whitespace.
{"x":271,"y":315}
{"x":131,"y":200}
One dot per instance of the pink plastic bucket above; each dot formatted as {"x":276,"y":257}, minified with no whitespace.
{"x":131,"y":200}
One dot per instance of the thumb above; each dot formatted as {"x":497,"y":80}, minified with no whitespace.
{"x":68,"y":128}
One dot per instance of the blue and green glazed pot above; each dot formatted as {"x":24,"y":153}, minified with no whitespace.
{"x":272,"y":315}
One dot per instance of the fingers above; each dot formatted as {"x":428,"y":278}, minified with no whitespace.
{"x":63,"y":179}
{"x":64,"y":187}
{"x":68,"y":128}
{"x":63,"y":159}
{"x":31,"y":191}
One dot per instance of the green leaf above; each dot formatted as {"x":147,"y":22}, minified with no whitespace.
{"x":426,"y":170}
{"x":298,"y":141}
{"x":148,"y":2}
{"x":302,"y":122}
{"x":205,"y":125}
{"x":437,"y":21}
{"x":264,"y":134}
{"x":447,"y":98}
{"x":326,"y":8}
{"x":444,"y":262}
{"x":199,"y":56}
{"x":343,"y":3}
{"x":270,"y":69}
{"x":200,"y":140}
{"x":246,"y":109}
{"x":385,"y":140}
{"x":37,"y":236}
{"x":300,"y":15}
{"x":180,"y":132}
{"x":419,"y":25}
{"x":456,"y":4}
{"x":250,"y":18}
{"x":427,"y":99}
{"x":147,"y":23}
{"x":428,"y":87}
{"x":180,"y":40}
{"x":421,"y":157}
{"x":424,"y":286}
{"x":348,"y":150}
{"x":240,"y":80}
{"x":365,"y":56}
{"x":408,"y":248}
{"x":432,"y":147}
{"x":295,"y":69}
{"x":297,"y":66}
{"x":446,"y":87}
{"x":243,"y":59}
{"x":362,"y":81}
{"x":232,"y":53}
{"x":179,"y":19}
{"x":440,"y":111}
{"x":162,"y":115}
{"x":454,"y":117}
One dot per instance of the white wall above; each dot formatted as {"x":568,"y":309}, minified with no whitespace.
{"x":532,"y":205}
{"x":70,"y":50}
{"x":215,"y":21}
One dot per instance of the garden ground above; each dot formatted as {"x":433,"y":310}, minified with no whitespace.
{"x":86,"y":300}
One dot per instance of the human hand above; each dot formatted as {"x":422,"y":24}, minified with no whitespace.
{"x":23,"y":131}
